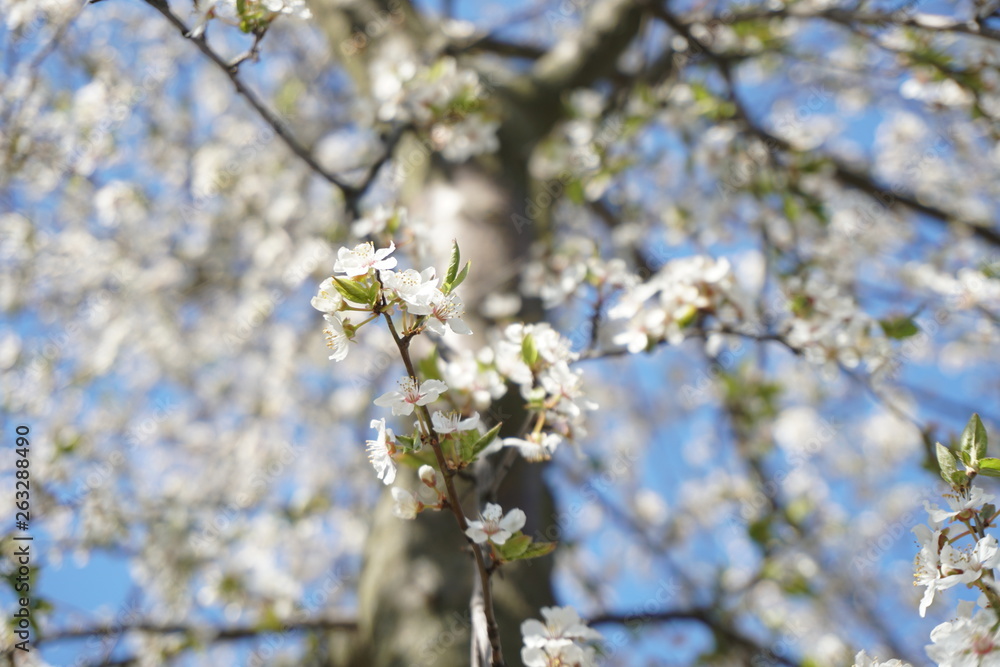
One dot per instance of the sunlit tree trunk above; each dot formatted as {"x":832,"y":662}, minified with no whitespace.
{"x":418,"y":575}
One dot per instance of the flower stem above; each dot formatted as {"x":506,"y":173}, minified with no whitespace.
{"x":493,"y":630}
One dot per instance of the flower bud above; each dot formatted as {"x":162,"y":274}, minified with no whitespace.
{"x":428,"y":476}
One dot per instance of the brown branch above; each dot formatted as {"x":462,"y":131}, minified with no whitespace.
{"x":492,"y":627}
{"x":231,"y":633}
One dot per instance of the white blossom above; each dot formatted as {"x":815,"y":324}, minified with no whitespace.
{"x":336,"y":338}
{"x":535,"y":446}
{"x":447,"y":309}
{"x":380,"y":452}
{"x":410,"y":394}
{"x":968,"y":641}
{"x":962,"y":504}
{"x":451,"y":422}
{"x":414,"y":288}
{"x":862,"y":660}
{"x":363,"y":258}
{"x":495,"y":526}
{"x":328,"y":299}
{"x":405,"y":505}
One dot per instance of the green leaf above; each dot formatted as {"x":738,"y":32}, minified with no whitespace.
{"x":988,"y":510}
{"x":537,"y":550}
{"x":948,"y":465}
{"x":973,"y":440}
{"x":686,"y":315}
{"x":460,"y":278}
{"x":514,"y":547}
{"x":449,"y":277}
{"x":791,"y":208}
{"x":989,"y":467}
{"x":574,"y":190}
{"x":528,"y":350}
{"x":899,"y":327}
{"x":485,"y":441}
{"x":354,"y":291}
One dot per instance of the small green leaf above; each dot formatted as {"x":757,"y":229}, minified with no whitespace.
{"x":973,"y":440}
{"x":686,"y":315}
{"x":528,"y":350}
{"x":453,"y":265}
{"x":537,"y":550}
{"x":989,"y":467}
{"x":354,"y":291}
{"x":514,"y":547}
{"x":462,"y":275}
{"x":899,"y":327}
{"x":948,"y":465}
{"x":485,"y":441}
{"x":574,"y":191}
{"x":988,"y":510}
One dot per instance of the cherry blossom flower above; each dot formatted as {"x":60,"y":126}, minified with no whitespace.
{"x":414,"y":288}
{"x":376,"y":221}
{"x":561,"y":640}
{"x":328,"y":299}
{"x":862,"y":660}
{"x":562,"y":624}
{"x":380,"y":452}
{"x":536,"y":447}
{"x":447,"y":309}
{"x":552,"y":655}
{"x":939,"y":565}
{"x":363,"y":258}
{"x":969,"y":640}
{"x":495,"y":527}
{"x":474,"y":374}
{"x":410,"y":394}
{"x":963,"y":505}
{"x":336,"y":338}
{"x":450,"y":422}
{"x":405,"y":506}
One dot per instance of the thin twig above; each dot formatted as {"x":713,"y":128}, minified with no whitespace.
{"x":493,"y":629}
{"x":352,"y":193}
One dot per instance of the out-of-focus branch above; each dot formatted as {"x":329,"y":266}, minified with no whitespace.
{"x":230,"y":633}
{"x":846,"y":175}
{"x":352,"y":193}
{"x":703,"y":616}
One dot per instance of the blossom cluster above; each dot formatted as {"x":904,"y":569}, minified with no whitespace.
{"x":445,"y":100}
{"x":829,"y":327}
{"x":250,"y":16}
{"x":561,"y":274}
{"x":368,"y":282}
{"x":973,"y":636}
{"x":563,"y":639}
{"x":537,"y":358}
{"x":444,"y":402}
{"x":681,"y":293}
{"x":367,"y":285}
